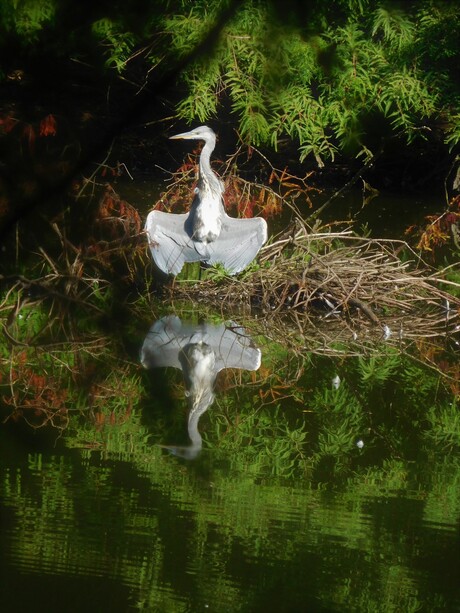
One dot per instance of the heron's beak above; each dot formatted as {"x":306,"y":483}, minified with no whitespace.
{"x":190,"y":134}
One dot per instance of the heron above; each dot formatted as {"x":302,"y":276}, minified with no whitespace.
{"x":201,"y":352}
{"x":206,"y":233}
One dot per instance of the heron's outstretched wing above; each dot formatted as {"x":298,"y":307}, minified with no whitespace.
{"x":232,"y":346}
{"x":163,"y":342}
{"x":170,"y":242}
{"x":238,"y":243}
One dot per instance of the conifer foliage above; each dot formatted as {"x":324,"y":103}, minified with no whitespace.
{"x":335,"y":76}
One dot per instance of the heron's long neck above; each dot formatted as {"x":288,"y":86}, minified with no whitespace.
{"x":205,"y":158}
{"x":208,"y":179}
{"x":194,"y":435}
{"x":199,"y":402}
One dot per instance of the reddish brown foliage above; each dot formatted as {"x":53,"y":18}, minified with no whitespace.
{"x":48,"y":126}
{"x":118,"y":217}
{"x":440,"y":229}
{"x":7,"y":123}
{"x":244,"y":197}
{"x":38,"y":398}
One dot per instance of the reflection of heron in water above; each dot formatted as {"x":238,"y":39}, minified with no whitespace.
{"x":206,"y":233}
{"x":201,"y":351}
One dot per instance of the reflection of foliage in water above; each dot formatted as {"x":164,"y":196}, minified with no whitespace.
{"x":260,"y":442}
{"x":444,"y":422}
{"x":279,"y":449}
{"x":355,"y":531}
{"x":292,"y":418}
{"x":46,"y":379}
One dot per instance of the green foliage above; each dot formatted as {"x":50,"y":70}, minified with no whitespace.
{"x":262,"y":443}
{"x":27,"y":18}
{"x":375,"y":370}
{"x":280,"y":478}
{"x":200,"y":103}
{"x":337,"y":79}
{"x":47,"y":364}
{"x":167,"y":517}
{"x":119,"y":44}
{"x":444,"y":426}
{"x":216,"y":273}
{"x":396,"y":27}
{"x":377,"y":60}
{"x":341,"y":415}
{"x":453,"y":132}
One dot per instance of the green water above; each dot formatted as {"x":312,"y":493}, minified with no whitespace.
{"x":81,"y":530}
{"x":385,"y":215}
{"x":326,"y":480}
{"x":281,"y":509}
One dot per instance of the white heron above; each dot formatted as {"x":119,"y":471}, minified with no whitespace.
{"x":206,"y":233}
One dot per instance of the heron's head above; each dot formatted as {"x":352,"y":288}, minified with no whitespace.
{"x":201,"y":133}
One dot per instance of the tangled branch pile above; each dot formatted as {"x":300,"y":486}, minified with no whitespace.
{"x":347,"y":286}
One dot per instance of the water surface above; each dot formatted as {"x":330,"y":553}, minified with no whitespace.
{"x":279,"y":510}
{"x":203,"y":466}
